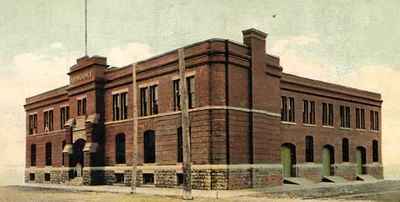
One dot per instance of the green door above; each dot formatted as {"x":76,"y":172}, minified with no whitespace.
{"x":326,"y":162}
{"x":360,"y":160}
{"x":286,"y":161}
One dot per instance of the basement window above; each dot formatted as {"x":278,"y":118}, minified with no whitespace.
{"x":148,"y":178}
{"x":47,"y":177}
{"x":119,"y":178}
{"x":179,"y":178}
{"x":31,"y":176}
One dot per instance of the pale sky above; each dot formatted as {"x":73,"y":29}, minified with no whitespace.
{"x":355,"y":43}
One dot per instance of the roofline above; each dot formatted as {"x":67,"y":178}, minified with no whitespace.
{"x":334,"y":87}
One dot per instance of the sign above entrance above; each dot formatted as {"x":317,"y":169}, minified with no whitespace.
{"x":85,"y":76}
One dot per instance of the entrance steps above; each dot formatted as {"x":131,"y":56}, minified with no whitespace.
{"x":297,"y":180}
{"x":368,"y":178}
{"x":77,"y":181}
{"x":334,"y":179}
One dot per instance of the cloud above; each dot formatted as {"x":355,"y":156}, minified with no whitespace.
{"x":282,"y":45}
{"x":33,"y":73}
{"x":132,"y":52}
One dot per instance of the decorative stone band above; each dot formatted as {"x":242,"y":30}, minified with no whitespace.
{"x":177,"y":167}
{"x":372,"y":165}
{"x":345,"y":164}
{"x":48,"y":169}
{"x":308,"y":165}
{"x":268,"y":113}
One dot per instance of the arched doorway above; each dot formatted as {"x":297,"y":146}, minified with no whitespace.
{"x":361,"y":159}
{"x":77,"y":159}
{"x":288,"y":159}
{"x":328,"y":158}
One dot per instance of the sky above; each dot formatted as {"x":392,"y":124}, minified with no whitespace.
{"x":353,"y":43}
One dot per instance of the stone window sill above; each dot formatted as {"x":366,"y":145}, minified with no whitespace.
{"x":309,"y":125}
{"x":327,"y":126}
{"x":288,"y":123}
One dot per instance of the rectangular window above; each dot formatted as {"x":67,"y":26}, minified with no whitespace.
{"x":345,"y":117}
{"x":360,"y":118}
{"x":374,"y":117}
{"x":330,"y":114}
{"x":287,"y":109}
{"x":64,"y":116}
{"x":177,"y":95}
{"x":305,"y":112}
{"x":143,"y":101}
{"x":284,"y":116}
{"x":309,"y":112}
{"x":148,"y":178}
{"x":124,"y":105}
{"x":120,"y":106}
{"x":33,"y":155}
{"x":48,"y":120}
{"x":31,"y":176}
{"x":309,"y":149}
{"x":47,"y":177}
{"x":48,"y":153}
{"x":119,"y":178}
{"x":84,"y":106}
{"x":32,"y":124}
{"x":179,"y":145}
{"x":153,"y":99}
{"x":81,"y":106}
{"x":191,"y":91}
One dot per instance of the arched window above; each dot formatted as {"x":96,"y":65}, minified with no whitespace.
{"x":375,"y":151}
{"x":309,"y":149}
{"x":48,"y":154}
{"x":149,"y":147}
{"x":120,"y":149}
{"x":179,"y":143}
{"x":33,"y":155}
{"x":345,"y":150}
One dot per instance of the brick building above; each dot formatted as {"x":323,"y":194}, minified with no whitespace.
{"x":251,"y":125}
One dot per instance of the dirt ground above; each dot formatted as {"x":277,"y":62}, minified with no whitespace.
{"x":21,"y":194}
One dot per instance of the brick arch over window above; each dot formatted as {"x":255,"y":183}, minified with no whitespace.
{"x":149,"y":146}
{"x":309,"y":149}
{"x":345,"y":150}
{"x":375,"y":151}
{"x":48,"y":154}
{"x":120,"y":149}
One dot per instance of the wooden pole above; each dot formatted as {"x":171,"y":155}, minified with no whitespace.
{"x":187,"y":162}
{"x":134,"y":130}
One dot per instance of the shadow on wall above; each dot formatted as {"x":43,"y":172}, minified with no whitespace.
{"x":11,"y":175}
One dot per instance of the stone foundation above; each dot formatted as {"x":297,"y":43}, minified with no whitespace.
{"x":375,"y":170}
{"x":345,"y":170}
{"x":204,"y":177}
{"x":310,"y":171}
{"x":268,"y":176}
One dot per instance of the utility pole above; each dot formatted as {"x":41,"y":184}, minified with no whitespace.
{"x":134,"y":130}
{"x":187,"y":162}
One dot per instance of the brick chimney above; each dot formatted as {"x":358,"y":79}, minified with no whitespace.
{"x":264,"y":97}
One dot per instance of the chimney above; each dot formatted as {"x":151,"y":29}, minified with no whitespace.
{"x":255,"y":38}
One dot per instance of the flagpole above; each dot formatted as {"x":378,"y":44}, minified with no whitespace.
{"x":86,"y":35}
